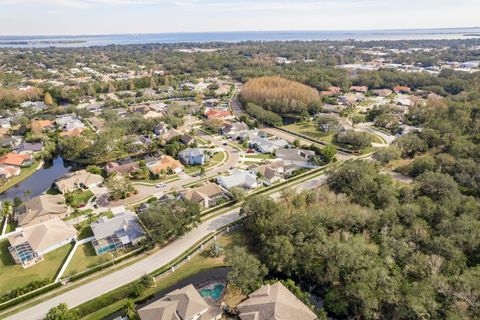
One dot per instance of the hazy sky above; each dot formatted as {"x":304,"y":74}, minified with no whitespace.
{"x":28,"y":17}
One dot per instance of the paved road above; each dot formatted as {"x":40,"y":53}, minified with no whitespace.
{"x":123,"y":276}
{"x":147,"y":191}
{"x":153,"y":262}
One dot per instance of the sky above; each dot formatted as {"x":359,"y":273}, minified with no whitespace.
{"x":82,"y":17}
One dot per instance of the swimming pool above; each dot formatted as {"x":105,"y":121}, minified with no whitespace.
{"x":214,"y":291}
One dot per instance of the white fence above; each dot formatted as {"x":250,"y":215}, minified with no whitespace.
{"x":201,"y":248}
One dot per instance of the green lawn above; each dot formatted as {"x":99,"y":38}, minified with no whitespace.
{"x":78,"y":198}
{"x":84,"y":229}
{"x":86,"y":258}
{"x":14,"y":276}
{"x":24,"y":174}
{"x":197,"y":264}
{"x":310,"y":130}
{"x":266,"y":156}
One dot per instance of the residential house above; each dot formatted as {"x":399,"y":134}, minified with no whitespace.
{"x":274,"y":171}
{"x":28,"y":148}
{"x":42,"y":125}
{"x":182,"y":304}
{"x":350,"y":98}
{"x":142,"y":108}
{"x":218,"y":114}
{"x":160,"y":129}
{"x":233,"y":128}
{"x":402,"y":89}
{"x":206,"y":195}
{"x":97,"y":123}
{"x":194,"y":156}
{"x":274,"y":302}
{"x":11,"y":141}
{"x":382,"y":92}
{"x":164,"y":164}
{"x":298,"y":157}
{"x":17,"y":160}
{"x":239,"y":178}
{"x":123,"y":230}
{"x":30,"y":244}
{"x":187,"y":140}
{"x":72,"y":133}
{"x":6,"y":172}
{"x":264,"y":145}
{"x":331,"y":91}
{"x":41,"y":209}
{"x":78,"y":180}
{"x":361,"y":89}
{"x":153,"y":115}
{"x":63,"y":120}
{"x":170,"y":134}
{"x":34,"y":106}
{"x":125,"y":168}
{"x":5,"y":123}
{"x":74,"y":125}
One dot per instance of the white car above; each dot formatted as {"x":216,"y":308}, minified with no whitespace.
{"x":161,"y":185}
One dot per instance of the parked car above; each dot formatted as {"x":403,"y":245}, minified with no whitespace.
{"x":250,"y":151}
{"x":161,"y":185}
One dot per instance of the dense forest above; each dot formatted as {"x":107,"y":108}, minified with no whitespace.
{"x":279,"y":95}
{"x":377,"y":248}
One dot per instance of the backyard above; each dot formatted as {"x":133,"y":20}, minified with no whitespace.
{"x":199,"y":263}
{"x":14,"y":276}
{"x":86,"y":258}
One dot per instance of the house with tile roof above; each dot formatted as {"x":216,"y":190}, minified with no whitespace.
{"x":274,"y":302}
{"x":28,"y":148}
{"x":29,"y":244}
{"x":42,"y":125}
{"x":42,"y":208}
{"x":182,"y":304}
{"x":6,"y":172}
{"x":164,"y":163}
{"x":17,"y":160}
{"x":218,"y":114}
{"x":81,"y":179}
{"x":205,"y":195}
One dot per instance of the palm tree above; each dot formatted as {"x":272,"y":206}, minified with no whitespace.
{"x":129,"y":309}
{"x":91,"y":217}
{"x":76,"y":213}
{"x":27,"y":194}
{"x":7,"y":210}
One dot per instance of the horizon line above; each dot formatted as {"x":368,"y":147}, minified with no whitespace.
{"x":237,"y":31}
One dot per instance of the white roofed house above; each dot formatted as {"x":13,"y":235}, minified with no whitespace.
{"x":265,"y":145}
{"x":29,"y":244}
{"x":239,"y":178}
{"x":123,"y":230}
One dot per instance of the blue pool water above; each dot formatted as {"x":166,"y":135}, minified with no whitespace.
{"x":215,"y":293}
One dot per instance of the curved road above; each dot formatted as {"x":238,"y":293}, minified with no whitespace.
{"x":97,"y":287}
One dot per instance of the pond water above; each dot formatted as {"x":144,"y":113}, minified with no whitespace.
{"x":205,"y":280}
{"x":41,"y":180}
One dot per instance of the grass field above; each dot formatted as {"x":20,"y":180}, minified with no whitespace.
{"x":14,"y":276}
{"x":86,"y":258}
{"x":197,"y":264}
{"x":24,"y":174}
{"x":310,"y":130}
{"x":265,"y":156}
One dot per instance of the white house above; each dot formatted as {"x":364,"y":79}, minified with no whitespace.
{"x":239,"y":178}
